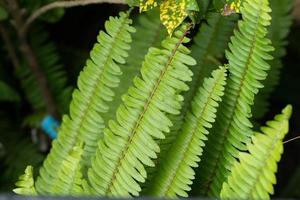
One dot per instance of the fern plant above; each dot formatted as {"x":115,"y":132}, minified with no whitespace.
{"x":169,"y":112}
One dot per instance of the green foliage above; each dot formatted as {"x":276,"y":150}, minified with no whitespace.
{"x":25,"y":185}
{"x":249,"y":51}
{"x":49,"y":61}
{"x":209,"y":47}
{"x":278,"y":32}
{"x":69,"y":176}
{"x":95,"y":83}
{"x":148,"y":34}
{"x":253,"y":176}
{"x":128,"y":142}
{"x":153,"y":113}
{"x":175,"y":173}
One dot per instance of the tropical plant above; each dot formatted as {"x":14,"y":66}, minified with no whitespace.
{"x":160,"y":112}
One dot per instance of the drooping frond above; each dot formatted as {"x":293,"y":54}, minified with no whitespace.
{"x":176,"y":172}
{"x":129,"y":142}
{"x":149,"y":33}
{"x":249,"y":51}
{"x":7,"y":93}
{"x":56,"y":75}
{"x":25,"y":185}
{"x":95,"y":84}
{"x":278,"y":32}
{"x":253,"y":175}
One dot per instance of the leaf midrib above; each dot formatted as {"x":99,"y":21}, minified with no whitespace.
{"x":137,"y":124}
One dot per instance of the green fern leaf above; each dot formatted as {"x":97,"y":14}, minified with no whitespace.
{"x":95,"y":83}
{"x":49,"y":62}
{"x":175,"y":174}
{"x":210,"y":45}
{"x":149,"y":33}
{"x":278,"y":31}
{"x":253,"y":176}
{"x":25,"y":185}
{"x":69,"y":181}
{"x":129,"y":142}
{"x":247,"y":67}
{"x":210,"y":42}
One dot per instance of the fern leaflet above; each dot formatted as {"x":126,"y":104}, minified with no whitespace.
{"x":25,"y":185}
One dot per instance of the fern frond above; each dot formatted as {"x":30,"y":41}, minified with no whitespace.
{"x":129,"y":142}
{"x":149,"y":33}
{"x":249,"y":51}
{"x":253,"y":176}
{"x":25,"y":185}
{"x":278,"y":32}
{"x":95,"y":84}
{"x":49,"y":62}
{"x":211,"y":42}
{"x":176,"y":173}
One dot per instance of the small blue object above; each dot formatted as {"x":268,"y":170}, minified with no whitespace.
{"x":50,"y":125}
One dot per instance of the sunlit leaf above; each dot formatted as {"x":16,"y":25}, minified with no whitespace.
{"x":172,"y":14}
{"x":147,"y":4}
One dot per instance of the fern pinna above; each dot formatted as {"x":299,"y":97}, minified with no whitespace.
{"x":151,"y":123}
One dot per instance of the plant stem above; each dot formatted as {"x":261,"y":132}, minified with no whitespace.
{"x":64,"y":4}
{"x":30,"y":56}
{"x":9,"y":47}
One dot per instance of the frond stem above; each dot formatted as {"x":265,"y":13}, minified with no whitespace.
{"x":137,"y":124}
{"x":64,"y":4}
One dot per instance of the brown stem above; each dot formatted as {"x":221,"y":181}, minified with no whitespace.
{"x":9,"y":47}
{"x":64,"y":4}
{"x":30,"y":56}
